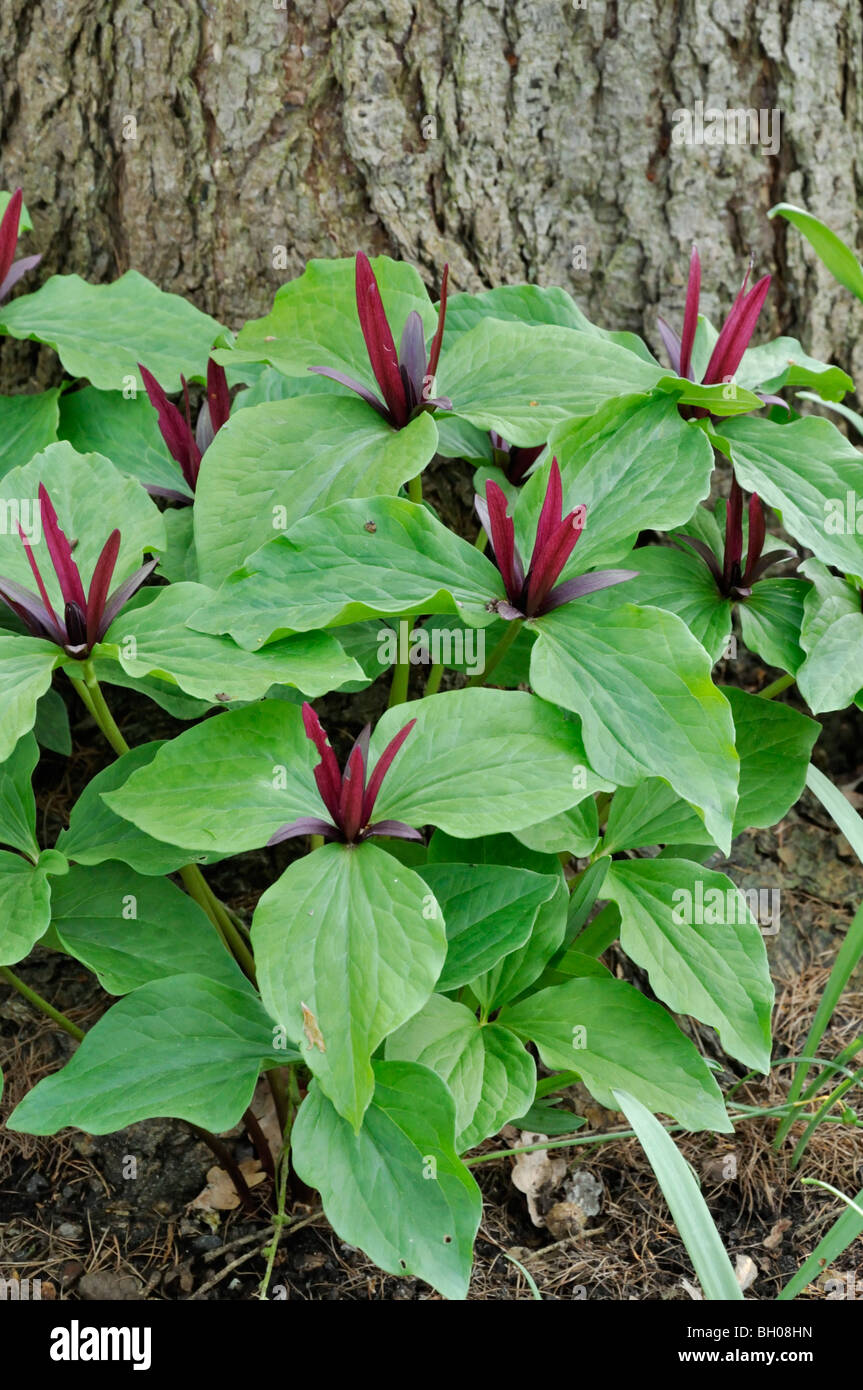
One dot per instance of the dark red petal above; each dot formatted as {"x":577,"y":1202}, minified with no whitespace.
{"x":733,"y":531}
{"x":757,"y":532}
{"x":121,"y":596}
{"x":61,"y":552}
{"x":344,"y":380}
{"x":218,"y":395}
{"x":434,"y":354}
{"x":395,"y":829}
{"x":100,"y":584}
{"x":550,"y":516}
{"x":9,"y":232}
{"x":350,"y":816}
{"x":412,"y":361}
{"x":736,"y":333}
{"x":382,"y":767}
{"x":305,"y":825}
{"x":586,"y":584}
{"x":31,"y":611}
{"x":502,"y":536}
{"x":379,"y":340}
{"x":544,"y":573}
{"x":690,"y":317}
{"x":176,"y":432}
{"x":327,"y":773}
{"x":39,"y":581}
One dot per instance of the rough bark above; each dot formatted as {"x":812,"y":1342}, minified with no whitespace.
{"x":502,"y":135}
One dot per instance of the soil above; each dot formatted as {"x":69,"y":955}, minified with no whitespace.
{"x":73,"y":1215}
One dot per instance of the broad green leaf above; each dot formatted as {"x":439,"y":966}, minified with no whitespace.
{"x":26,"y":667}
{"x":635,"y":464}
{"x":52,"y":723}
{"x":530,"y":304}
{"x":479,"y":762}
{"x":314,"y":320}
{"x":832,"y":638}
{"x":25,"y":906}
{"x":179,"y":561}
{"x":784,"y":363}
{"x":722,"y":399}
{"x":770,"y":621}
{"x":614,"y":1037}
{"x":102,"y":332}
{"x":186,"y":1048}
{"x":271,"y":466}
{"x":165,"y":694}
{"x":838,"y":258}
{"x":28,"y":424}
{"x":490,"y":1075}
{"x":17,"y":802}
{"x":91,"y":498}
{"x":353,"y":937}
{"x":354,"y":560}
{"x":130,"y":929}
{"x":397,"y":1189}
{"x":714,"y":969}
{"x":521,"y":380}
{"x":641,"y":684}
{"x":808,"y":471}
{"x":123,"y":428}
{"x":687,"y":1206}
{"x":96,"y":833}
{"x":679,"y":581}
{"x":774,"y":742}
{"x":651,"y":813}
{"x":489,"y":910}
{"x":575,"y":831}
{"x":153,"y":639}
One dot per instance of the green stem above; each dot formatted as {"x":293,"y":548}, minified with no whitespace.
{"x":415,"y":488}
{"x":482,"y":539}
{"x":776,"y":687}
{"x":500,"y":651}
{"x":399,"y":687}
{"x":432,"y":685}
{"x":103,"y":716}
{"x":291,"y":1100}
{"x":41,"y":1004}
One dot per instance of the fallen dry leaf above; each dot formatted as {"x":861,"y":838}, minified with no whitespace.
{"x":774,"y":1239}
{"x":537,"y":1175}
{"x":220,"y":1193}
{"x":745,"y":1271}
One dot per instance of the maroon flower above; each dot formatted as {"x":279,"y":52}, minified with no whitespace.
{"x":10,"y":269}
{"x":185,"y":445}
{"x":405,"y":378}
{"x":86,"y":618}
{"x":734,"y":580}
{"x":513,"y":458}
{"x":530,"y":594}
{"x":734,"y":337}
{"x":348,"y":797}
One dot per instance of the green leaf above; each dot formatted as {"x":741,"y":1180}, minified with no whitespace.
{"x":27,"y":425}
{"x":770,"y":621}
{"x":651,"y":813}
{"x":17,"y":802}
{"x":271,"y":466}
{"x":179,"y":562}
{"x":354,"y":938}
{"x":91,"y":499}
{"x":546,"y":1117}
{"x":185,"y":1048}
{"x":774,"y":742}
{"x":52,"y":723}
{"x":530,"y":304}
{"x":723,"y":398}
{"x":614,"y":1037}
{"x":479,"y":762}
{"x":687,"y":1206}
{"x":844,"y":1231}
{"x":832,"y":638}
{"x":806,"y":470}
{"x":487,"y":1070}
{"x":397,"y":1189}
{"x":26,"y":667}
{"x":641,"y":684}
{"x":102,"y":332}
{"x":354,"y":560}
{"x":153,"y":639}
{"x":521,"y":381}
{"x":97,"y":834}
{"x":716,"y":969}
{"x":783,"y":362}
{"x":635,"y":464}
{"x":679,"y":581}
{"x":838,"y":258}
{"x":489,"y":911}
{"x":575,"y":831}
{"x":25,"y":907}
{"x":314,"y":320}
{"x":130,"y":929}
{"x":125,"y":429}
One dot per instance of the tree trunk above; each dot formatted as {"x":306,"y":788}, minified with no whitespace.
{"x":519,"y":139}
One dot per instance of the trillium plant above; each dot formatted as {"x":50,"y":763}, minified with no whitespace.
{"x":457,"y":895}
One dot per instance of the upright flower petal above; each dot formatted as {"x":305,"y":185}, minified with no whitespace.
{"x":434,"y":354}
{"x":327,"y":773}
{"x":551,"y":515}
{"x":544,"y":573}
{"x":351,"y":818}
{"x":502,"y":536}
{"x":382,"y":767}
{"x":121,"y":596}
{"x":175,"y":430}
{"x":379,"y":340}
{"x":61,"y":553}
{"x":100,"y":583}
{"x":43,"y":592}
{"x":736,"y":332}
{"x":757,"y":533}
{"x":690,"y":317}
{"x":412,"y":360}
{"x":733,"y":535}
{"x":218,"y":395}
{"x":9,"y":232}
